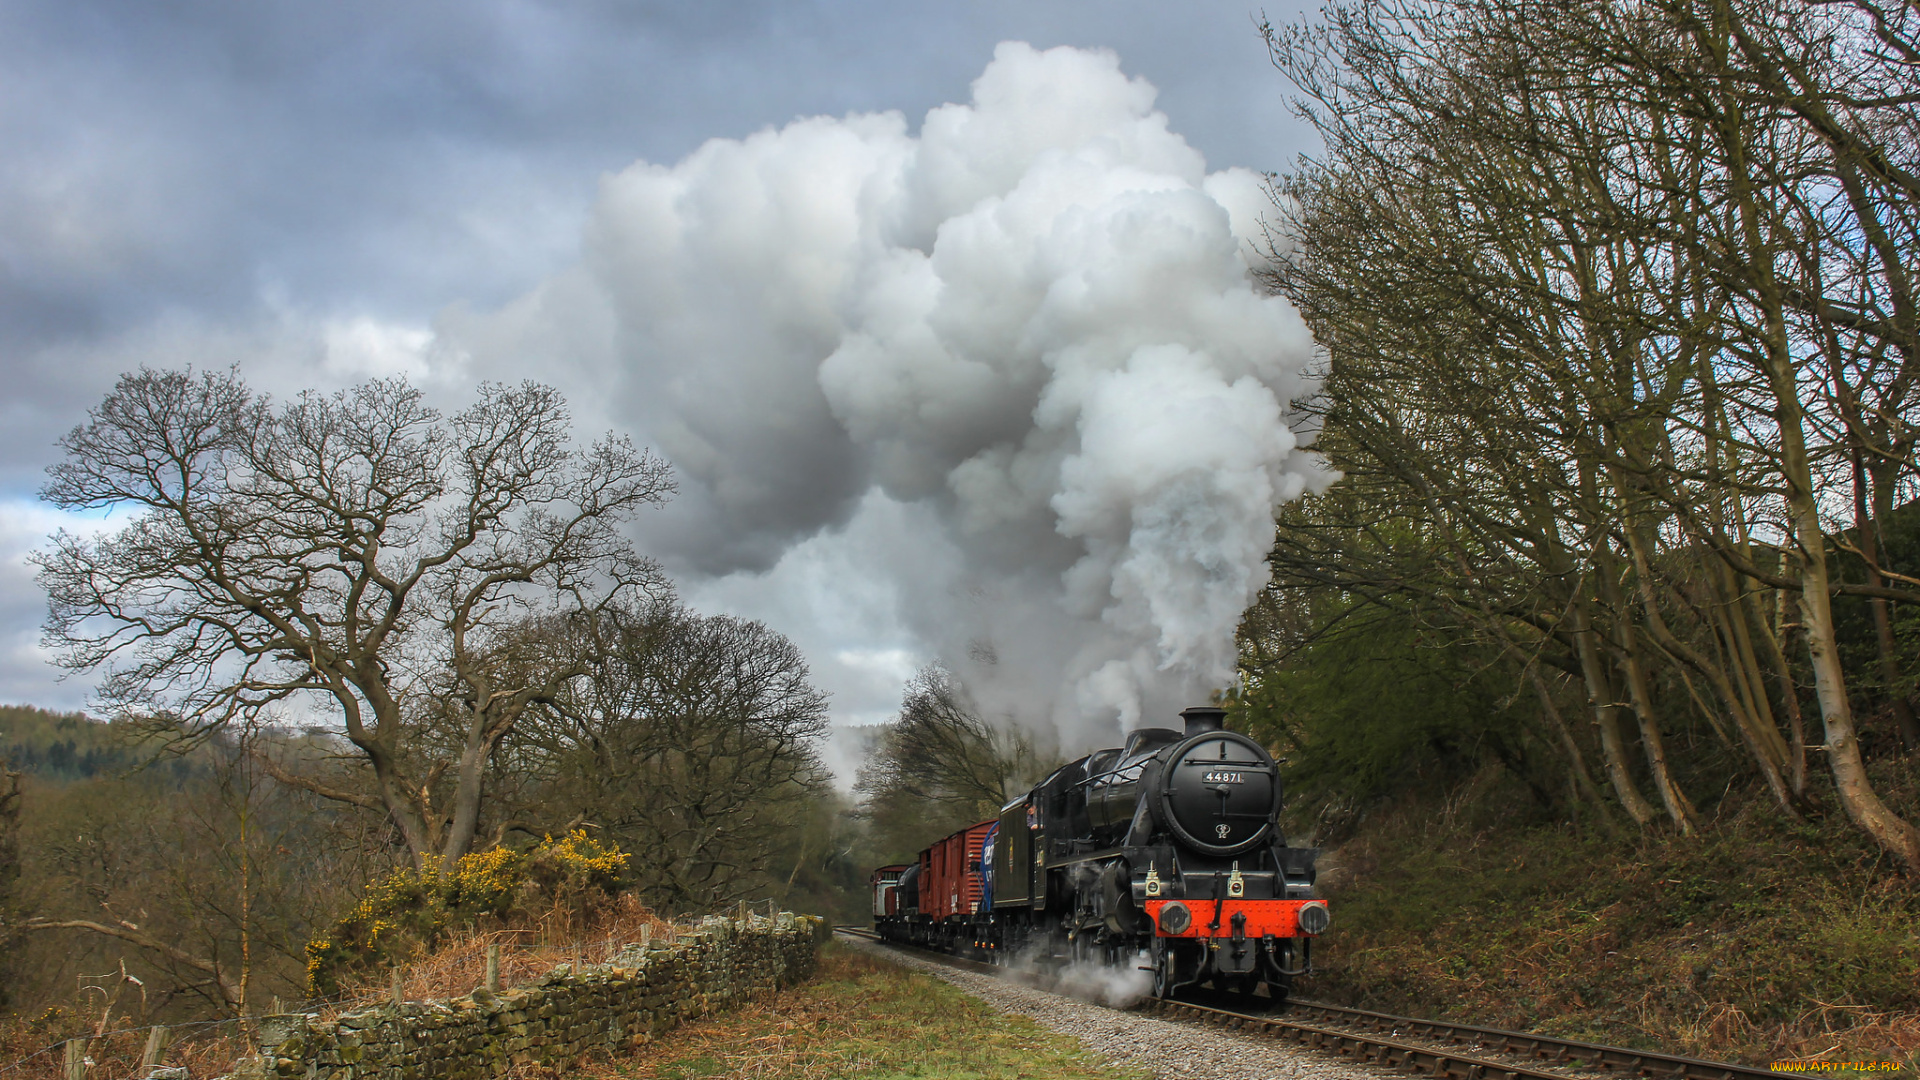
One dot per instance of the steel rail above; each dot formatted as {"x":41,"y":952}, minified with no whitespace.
{"x":1360,"y":1047}
{"x":1447,"y":1056}
{"x":1454,"y":1051}
{"x":1500,"y":1040}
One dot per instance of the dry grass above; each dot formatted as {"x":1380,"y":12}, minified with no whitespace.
{"x":459,"y":965}
{"x":206,"y":1049}
{"x":860,"y":1018}
{"x":1759,"y":940}
{"x":1836,"y":1032}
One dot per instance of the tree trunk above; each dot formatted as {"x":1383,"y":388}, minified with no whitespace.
{"x":1850,"y":780}
{"x":1867,"y":525}
{"x":1749,"y":197}
{"x":1606,"y":716}
{"x":1679,"y":808}
{"x":1855,"y":790}
{"x":1790,"y":694}
{"x":1584,"y":787}
{"x":468,"y":790}
{"x":1766,"y":751}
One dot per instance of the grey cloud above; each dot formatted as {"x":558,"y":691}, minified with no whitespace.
{"x":209,"y":183}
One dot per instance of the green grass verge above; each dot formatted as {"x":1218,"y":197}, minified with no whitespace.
{"x":1757,"y":940}
{"x":864,"y":1018}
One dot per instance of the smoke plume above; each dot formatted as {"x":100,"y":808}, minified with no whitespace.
{"x":1030,"y":326}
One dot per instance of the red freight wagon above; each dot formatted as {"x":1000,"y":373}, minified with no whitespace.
{"x":951,"y":882}
{"x":940,"y":898}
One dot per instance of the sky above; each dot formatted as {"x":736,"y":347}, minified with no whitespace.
{"x":319,"y":193}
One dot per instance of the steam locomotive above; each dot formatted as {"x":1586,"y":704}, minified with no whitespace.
{"x":1163,"y":854}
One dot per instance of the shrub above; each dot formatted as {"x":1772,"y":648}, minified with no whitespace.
{"x":557,"y":885}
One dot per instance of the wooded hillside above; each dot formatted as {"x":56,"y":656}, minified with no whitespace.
{"x":1621,"y":340}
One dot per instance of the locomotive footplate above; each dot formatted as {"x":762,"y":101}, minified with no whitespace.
{"x":1239,"y":919}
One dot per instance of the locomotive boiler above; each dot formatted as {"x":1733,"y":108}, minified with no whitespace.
{"x":1164,"y":854}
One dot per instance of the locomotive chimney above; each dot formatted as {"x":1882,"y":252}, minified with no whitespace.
{"x":1202,"y":719}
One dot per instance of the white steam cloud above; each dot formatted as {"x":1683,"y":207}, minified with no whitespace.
{"x":1115,"y":987}
{"x":1031,"y":326}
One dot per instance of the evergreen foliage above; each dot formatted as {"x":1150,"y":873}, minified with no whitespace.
{"x":1376,"y":701}
{"x":59,"y":747}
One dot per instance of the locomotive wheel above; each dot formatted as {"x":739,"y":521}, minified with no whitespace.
{"x":1165,"y":973}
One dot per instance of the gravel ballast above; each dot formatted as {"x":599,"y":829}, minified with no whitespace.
{"x":1161,"y":1047}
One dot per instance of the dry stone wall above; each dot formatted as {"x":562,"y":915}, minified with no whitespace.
{"x":643,"y":992}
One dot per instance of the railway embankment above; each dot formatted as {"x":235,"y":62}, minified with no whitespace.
{"x":1759,"y":939}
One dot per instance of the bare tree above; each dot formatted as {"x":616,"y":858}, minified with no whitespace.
{"x":360,"y":549}
{"x":940,"y":759}
{"x":1612,"y":296}
{"x":190,"y":880}
{"x":693,"y":742}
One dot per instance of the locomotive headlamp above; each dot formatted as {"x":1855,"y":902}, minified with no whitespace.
{"x":1314,"y":918}
{"x":1175,"y":918}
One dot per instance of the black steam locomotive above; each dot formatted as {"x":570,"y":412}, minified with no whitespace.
{"x":1164,"y":854}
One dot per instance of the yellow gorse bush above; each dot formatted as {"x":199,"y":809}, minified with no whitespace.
{"x":486,"y":878}
{"x":407,"y":911}
{"x":578,"y":851}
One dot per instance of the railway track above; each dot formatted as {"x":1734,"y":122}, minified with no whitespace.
{"x":1423,"y":1047}
{"x":961,"y":962}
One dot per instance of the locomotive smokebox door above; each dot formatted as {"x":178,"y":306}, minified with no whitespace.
{"x":1219,"y":793}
